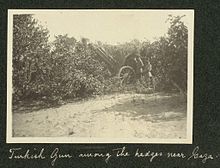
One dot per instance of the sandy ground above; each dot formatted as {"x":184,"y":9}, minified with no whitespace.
{"x":112,"y":116}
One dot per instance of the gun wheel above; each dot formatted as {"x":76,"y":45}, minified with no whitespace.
{"x":126,"y":75}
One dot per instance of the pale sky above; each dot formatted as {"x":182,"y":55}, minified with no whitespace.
{"x":110,"y":26}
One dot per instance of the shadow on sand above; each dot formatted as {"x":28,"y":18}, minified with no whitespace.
{"x":155,"y":108}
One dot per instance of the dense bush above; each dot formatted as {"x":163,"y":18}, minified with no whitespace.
{"x":168,"y":56}
{"x":75,"y":72}
{"x":30,"y":52}
{"x":67,"y":68}
{"x":63,"y":69}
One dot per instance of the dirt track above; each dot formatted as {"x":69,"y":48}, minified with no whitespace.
{"x":113,"y":116}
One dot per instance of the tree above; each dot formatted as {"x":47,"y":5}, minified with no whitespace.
{"x":75,"y":70}
{"x":177,"y":53}
{"x":30,"y":48}
{"x":168,"y":56}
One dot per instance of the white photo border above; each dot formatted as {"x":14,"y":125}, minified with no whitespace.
{"x":11,"y":139}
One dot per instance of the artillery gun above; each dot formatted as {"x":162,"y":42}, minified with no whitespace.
{"x":130,"y":70}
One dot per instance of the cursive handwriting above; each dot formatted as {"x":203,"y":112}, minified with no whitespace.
{"x":121,"y":152}
{"x":196,"y":155}
{"x":16,"y":153}
{"x":176,"y":155}
{"x":96,"y":155}
{"x":148,"y":154}
{"x":57,"y":155}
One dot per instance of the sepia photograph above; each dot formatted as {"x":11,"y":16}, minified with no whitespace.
{"x":100,"y":76}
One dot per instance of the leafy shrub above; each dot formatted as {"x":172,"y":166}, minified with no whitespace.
{"x":67,"y":68}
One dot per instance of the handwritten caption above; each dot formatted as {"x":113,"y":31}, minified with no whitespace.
{"x":57,"y":154}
